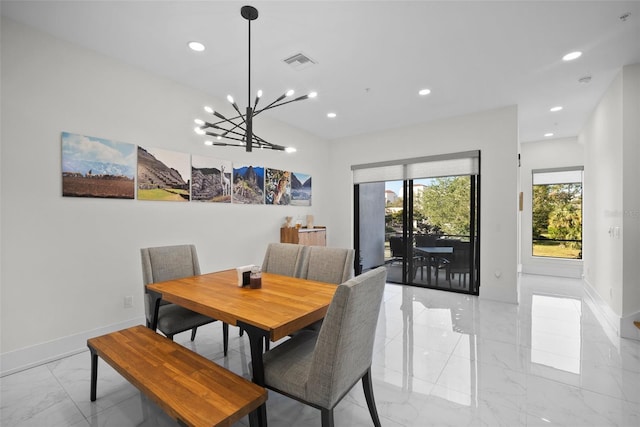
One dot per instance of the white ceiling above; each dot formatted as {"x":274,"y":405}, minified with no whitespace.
{"x":372,"y":56}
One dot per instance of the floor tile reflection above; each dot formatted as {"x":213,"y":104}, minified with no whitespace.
{"x":440,"y":358}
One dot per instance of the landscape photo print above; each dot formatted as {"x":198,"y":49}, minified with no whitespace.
{"x":300,"y":189}
{"x":97,"y":167}
{"x":163,"y":175}
{"x":210,"y":179}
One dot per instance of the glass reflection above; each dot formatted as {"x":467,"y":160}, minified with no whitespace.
{"x":556,"y":332}
{"x":440,"y":336}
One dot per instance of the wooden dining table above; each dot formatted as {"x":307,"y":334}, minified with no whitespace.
{"x":282,"y":306}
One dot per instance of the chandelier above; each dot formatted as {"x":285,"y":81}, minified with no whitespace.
{"x":237,"y":131}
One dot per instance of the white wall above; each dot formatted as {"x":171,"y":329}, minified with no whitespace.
{"x":546,"y":154}
{"x":495,"y":133}
{"x":67,"y":263}
{"x":612,"y":202}
{"x":631,"y":201}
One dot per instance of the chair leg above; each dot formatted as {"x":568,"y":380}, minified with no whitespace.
{"x":327,"y":417}
{"x":225,"y":337}
{"x":367,"y":385}
{"x":193,"y":333}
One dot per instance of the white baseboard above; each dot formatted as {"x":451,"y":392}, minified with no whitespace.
{"x":571,"y":270}
{"x":605,"y":315}
{"x":622,"y":327}
{"x":28,"y":357}
{"x":628,"y":329}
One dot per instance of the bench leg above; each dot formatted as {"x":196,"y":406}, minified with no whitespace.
{"x":94,"y":373}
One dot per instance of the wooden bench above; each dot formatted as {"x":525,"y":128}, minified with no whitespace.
{"x":188,"y":387}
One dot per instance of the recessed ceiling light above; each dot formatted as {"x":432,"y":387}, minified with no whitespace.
{"x":331,"y":115}
{"x":423,"y":92}
{"x":571,"y":56}
{"x":548,"y":134}
{"x":556,"y":108}
{"x":290,"y":149}
{"x":196,"y":46}
{"x":208,"y":142}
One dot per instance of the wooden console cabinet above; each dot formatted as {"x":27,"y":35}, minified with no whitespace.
{"x":316,"y":236}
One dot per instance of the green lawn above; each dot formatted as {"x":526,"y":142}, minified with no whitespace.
{"x":556,"y":250}
{"x":162,"y":194}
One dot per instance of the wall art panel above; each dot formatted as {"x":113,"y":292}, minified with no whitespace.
{"x":163,"y":175}
{"x":210,"y":179}
{"x":97,"y":167}
{"x":300,"y":189}
{"x":248,"y":185}
{"x":277,"y":185}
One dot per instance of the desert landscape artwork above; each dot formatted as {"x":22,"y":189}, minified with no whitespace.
{"x":163,"y":175}
{"x":97,"y":167}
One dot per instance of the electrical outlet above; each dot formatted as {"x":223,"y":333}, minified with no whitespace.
{"x":128,"y":301}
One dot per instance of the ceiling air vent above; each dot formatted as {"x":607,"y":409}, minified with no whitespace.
{"x":299,"y":61}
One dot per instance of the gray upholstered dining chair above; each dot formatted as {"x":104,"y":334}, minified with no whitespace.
{"x":330,"y":265}
{"x":167,"y":263}
{"x":319,"y":368}
{"x":284,"y":258}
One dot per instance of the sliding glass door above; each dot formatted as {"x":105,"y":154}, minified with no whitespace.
{"x":424,"y":228}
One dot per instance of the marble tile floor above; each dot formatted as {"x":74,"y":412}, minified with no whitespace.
{"x":421,"y":278}
{"x":440,"y":359}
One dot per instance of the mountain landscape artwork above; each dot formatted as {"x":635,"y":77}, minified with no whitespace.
{"x":300,"y":189}
{"x":210,"y":179}
{"x":97,"y":167}
{"x":163,"y":175}
{"x":248,"y":185}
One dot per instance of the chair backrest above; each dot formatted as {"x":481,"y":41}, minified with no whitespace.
{"x":396,"y":245}
{"x":344,"y":346}
{"x":461,"y":255}
{"x":284,"y":258}
{"x":169,"y":262}
{"x":447,"y":242}
{"x":425,"y":240}
{"x":330,"y":265}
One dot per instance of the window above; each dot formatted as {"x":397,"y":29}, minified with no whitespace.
{"x":428,"y":202}
{"x":557,"y":213}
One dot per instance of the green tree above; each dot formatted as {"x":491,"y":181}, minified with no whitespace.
{"x":565,"y":221}
{"x":542,"y":208}
{"x":557,"y":211}
{"x":444,"y":204}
